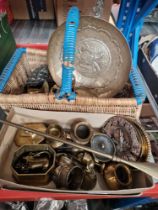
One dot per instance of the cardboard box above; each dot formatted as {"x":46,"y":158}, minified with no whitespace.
{"x":142,"y":182}
{"x":88,"y":7}
{"x":29,"y":9}
{"x":147,"y":110}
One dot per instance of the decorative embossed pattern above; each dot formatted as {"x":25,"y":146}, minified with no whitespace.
{"x":94,"y":52}
{"x":103,"y":59}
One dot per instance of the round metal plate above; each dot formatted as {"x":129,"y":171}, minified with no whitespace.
{"x":102,"y":60}
{"x":102,"y":143}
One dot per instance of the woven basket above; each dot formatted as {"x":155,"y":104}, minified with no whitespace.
{"x":33,"y":59}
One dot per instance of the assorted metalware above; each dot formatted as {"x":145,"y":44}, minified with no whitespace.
{"x":102,"y":155}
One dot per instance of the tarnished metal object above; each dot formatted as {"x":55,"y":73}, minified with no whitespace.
{"x":102,"y":143}
{"x":146,"y":167}
{"x":89,"y":180}
{"x":39,"y":80}
{"x":32,"y":164}
{"x":143,"y":139}
{"x":63,"y":159}
{"x":81,"y":132}
{"x":129,"y":137}
{"x":67,"y":174}
{"x":35,"y":161}
{"x":23,"y":137}
{"x":55,"y":130}
{"x":103,"y":59}
{"x":117,"y":176}
{"x":125,"y":136}
{"x":86,"y":159}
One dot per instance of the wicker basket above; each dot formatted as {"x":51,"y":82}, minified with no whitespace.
{"x":34,"y":58}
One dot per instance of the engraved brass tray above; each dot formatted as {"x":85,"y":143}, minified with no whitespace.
{"x":102,"y":61}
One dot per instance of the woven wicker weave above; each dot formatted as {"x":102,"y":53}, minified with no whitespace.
{"x":34,"y":58}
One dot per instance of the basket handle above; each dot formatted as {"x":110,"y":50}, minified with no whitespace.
{"x":69,"y":48}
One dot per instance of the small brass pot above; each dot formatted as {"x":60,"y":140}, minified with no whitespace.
{"x":81,"y":132}
{"x":117,"y":176}
{"x":55,"y":130}
{"x":34,"y":178}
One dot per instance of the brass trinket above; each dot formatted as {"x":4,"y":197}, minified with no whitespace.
{"x":125,"y":137}
{"x":32,"y":164}
{"x":67,"y":174}
{"x":102,"y":143}
{"x":89,"y":180}
{"x":102,"y":59}
{"x":143,"y":139}
{"x":56,"y":131}
{"x":24,"y":137}
{"x":86,"y":159}
{"x":81,"y":132}
{"x":117,"y":176}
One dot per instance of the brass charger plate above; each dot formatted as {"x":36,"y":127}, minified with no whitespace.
{"x":102,"y":59}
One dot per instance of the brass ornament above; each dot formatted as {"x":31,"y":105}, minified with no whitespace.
{"x":67,"y":173}
{"x":86,"y":159}
{"x":24,"y":137}
{"x":102,"y":143}
{"x":102,"y":59}
{"x":117,"y":176}
{"x":81,"y":132}
{"x":89,"y":180}
{"x":144,"y":140}
{"x":125,"y":137}
{"x":55,"y":130}
{"x":33,"y":164}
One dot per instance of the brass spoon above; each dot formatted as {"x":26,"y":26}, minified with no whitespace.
{"x":146,"y":167}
